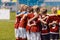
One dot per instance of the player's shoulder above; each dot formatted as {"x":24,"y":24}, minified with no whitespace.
{"x":24,"y":12}
{"x":53,"y":15}
{"x":48,"y":14}
{"x":17,"y":13}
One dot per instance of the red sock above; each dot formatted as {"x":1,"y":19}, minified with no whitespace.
{"x":20,"y":38}
{"x":24,"y":39}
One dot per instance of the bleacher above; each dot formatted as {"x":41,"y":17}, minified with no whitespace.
{"x":12,"y":5}
{"x":36,"y":2}
{"x":31,"y":2}
{"x":52,"y":2}
{"x":39,"y":2}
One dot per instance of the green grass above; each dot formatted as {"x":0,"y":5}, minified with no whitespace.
{"x":12,"y":15}
{"x":7,"y":28}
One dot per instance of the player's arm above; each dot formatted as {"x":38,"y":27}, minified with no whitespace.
{"x":54,"y":22}
{"x":24,"y":16}
{"x":20,"y":14}
{"x":45,"y":17}
{"x":36,"y":15}
{"x":32,"y":20}
{"x":17,"y":19}
{"x":28,"y":23}
{"x":50,"y":23}
{"x":34,"y":23}
{"x":42,"y":20}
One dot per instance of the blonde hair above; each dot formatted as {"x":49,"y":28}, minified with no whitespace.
{"x":42,"y":9}
{"x":35,"y":6}
{"x":54,"y":9}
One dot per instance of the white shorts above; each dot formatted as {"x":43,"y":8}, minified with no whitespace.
{"x":33,"y":36}
{"x":22,"y":32}
{"x":16,"y":33}
{"x":28,"y":36}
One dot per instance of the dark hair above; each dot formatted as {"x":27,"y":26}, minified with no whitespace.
{"x":37,"y":9}
{"x":31,"y":10}
{"x":45,"y":11}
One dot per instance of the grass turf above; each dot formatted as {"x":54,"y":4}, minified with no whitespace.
{"x":7,"y":28}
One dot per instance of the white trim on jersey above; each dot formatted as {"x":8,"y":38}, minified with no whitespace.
{"x":54,"y":32}
{"x":44,"y":33}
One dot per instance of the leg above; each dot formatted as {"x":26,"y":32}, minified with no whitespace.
{"x":23,"y":33}
{"x":38,"y":36}
{"x":43,"y":37}
{"x":17,"y":34}
{"x":20,"y":37}
{"x":33,"y":36}
{"x":52,"y":36}
{"x":28,"y":36}
{"x":46,"y":37}
{"x":56,"y":36}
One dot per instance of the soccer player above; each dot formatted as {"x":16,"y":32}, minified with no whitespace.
{"x":16,"y":26}
{"x":17,"y":23}
{"x":22,"y":24}
{"x":32,"y":31}
{"x":18,"y":18}
{"x":44,"y":24}
{"x":34,"y":27}
{"x":53,"y":24}
{"x":29,"y":15}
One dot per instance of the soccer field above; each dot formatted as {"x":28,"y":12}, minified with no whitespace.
{"x":7,"y":28}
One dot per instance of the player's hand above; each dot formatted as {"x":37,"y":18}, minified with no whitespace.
{"x":50,"y":24}
{"x":43,"y":21}
{"x":28,"y":23}
{"x":45,"y":18}
{"x":34,"y":23}
{"x":39,"y":18}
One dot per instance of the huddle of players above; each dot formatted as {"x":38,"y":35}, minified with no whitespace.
{"x":33,"y":23}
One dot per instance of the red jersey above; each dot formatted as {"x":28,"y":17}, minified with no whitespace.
{"x":35,"y":28}
{"x":29,"y":16}
{"x":45,"y":27}
{"x":23,"y":22}
{"x":18,"y":18}
{"x":59,"y":19}
{"x":17,"y":21}
{"x":54,"y":27}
